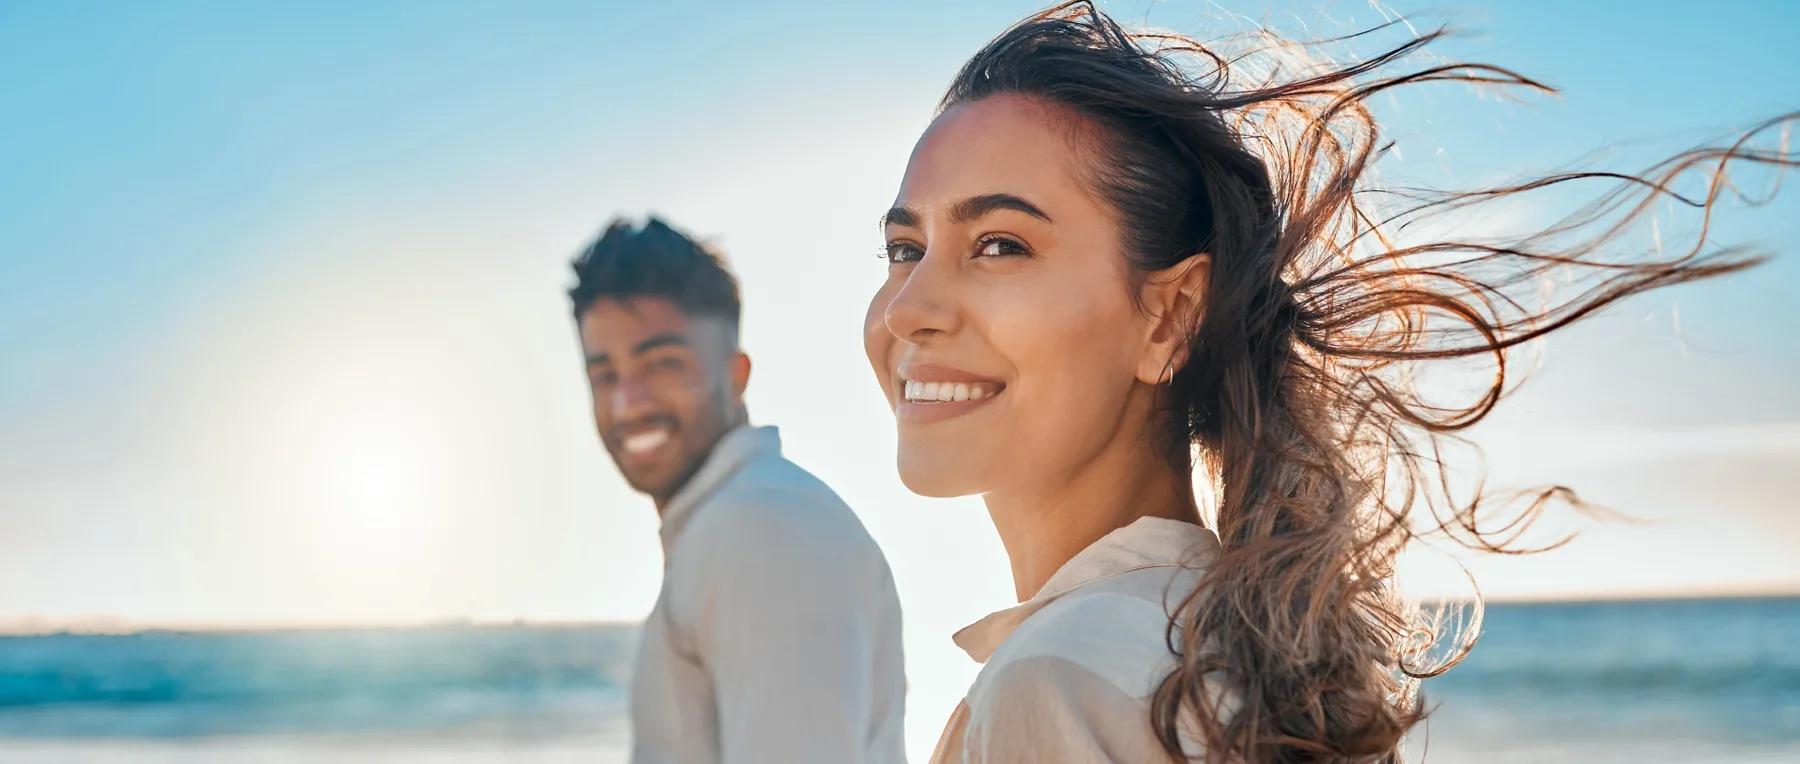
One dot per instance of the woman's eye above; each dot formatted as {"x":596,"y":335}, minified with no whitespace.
{"x":1000,"y":246}
{"x":902,"y":252}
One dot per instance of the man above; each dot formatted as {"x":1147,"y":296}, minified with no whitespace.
{"x":776,"y":637}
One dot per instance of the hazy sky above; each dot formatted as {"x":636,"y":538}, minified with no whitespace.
{"x":284,"y":337}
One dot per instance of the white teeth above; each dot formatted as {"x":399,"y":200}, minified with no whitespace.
{"x":646,"y":441}
{"x":944,"y":392}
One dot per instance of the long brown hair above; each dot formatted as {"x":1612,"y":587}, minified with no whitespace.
{"x":1298,"y":392}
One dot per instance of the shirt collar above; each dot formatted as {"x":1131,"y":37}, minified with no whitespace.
{"x":1149,"y":542}
{"x":734,"y":449}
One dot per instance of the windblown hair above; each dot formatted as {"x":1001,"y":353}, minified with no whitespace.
{"x":655,"y":260}
{"x":1298,"y":393}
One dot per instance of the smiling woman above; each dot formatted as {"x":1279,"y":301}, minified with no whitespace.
{"x":1156,"y":258}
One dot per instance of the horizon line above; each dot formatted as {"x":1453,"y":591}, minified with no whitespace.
{"x":108,"y":625}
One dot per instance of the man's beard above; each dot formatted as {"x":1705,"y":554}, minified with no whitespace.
{"x":713,"y":423}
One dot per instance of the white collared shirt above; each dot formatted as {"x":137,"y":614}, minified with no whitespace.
{"x":776,"y":637}
{"x":1068,"y":674}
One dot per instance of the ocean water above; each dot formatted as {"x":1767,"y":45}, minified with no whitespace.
{"x":1660,"y":681}
{"x":453,"y":694}
{"x":1641,"y":682}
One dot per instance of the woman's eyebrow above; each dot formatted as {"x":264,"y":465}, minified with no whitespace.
{"x":900,"y":216}
{"x":975,"y":207}
{"x":967,"y":210}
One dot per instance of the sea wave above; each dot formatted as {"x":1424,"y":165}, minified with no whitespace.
{"x":175,"y":684}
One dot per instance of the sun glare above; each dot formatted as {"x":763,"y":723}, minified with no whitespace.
{"x":374,"y":477}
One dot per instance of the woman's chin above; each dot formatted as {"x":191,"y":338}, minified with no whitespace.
{"x":934,"y":481}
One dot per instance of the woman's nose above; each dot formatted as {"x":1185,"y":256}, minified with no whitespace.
{"x":925,"y":305}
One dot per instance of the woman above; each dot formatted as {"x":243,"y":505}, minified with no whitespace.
{"x":1110,"y":264}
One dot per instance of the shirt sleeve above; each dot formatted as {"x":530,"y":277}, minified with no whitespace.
{"x":1050,"y":709}
{"x":798,"y":609}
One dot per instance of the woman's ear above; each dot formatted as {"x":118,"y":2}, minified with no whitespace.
{"x":1174,"y":299}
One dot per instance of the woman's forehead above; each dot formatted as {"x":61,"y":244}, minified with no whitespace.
{"x":1002,"y":144}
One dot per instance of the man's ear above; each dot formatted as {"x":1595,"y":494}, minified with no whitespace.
{"x":740,"y":373}
{"x":1174,"y":298}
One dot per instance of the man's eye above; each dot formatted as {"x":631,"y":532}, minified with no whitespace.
{"x":670,"y":363}
{"x":603,"y":379}
{"x":1000,"y":246}
{"x":903,"y":252}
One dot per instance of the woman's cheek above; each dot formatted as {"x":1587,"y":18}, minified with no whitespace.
{"x":878,"y":342}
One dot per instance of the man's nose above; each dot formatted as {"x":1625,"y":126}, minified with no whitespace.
{"x":632,"y":399}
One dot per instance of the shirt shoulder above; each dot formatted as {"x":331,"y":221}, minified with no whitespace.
{"x":1074,"y":681}
{"x":775,"y":533}
{"x":773,"y":505}
{"x":1047,"y":708}
{"x":1116,"y":629}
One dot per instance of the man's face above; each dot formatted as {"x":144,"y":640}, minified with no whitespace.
{"x":666,"y":387}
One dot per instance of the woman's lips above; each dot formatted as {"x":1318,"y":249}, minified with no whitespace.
{"x":947,"y":392}
{"x":934,"y":392}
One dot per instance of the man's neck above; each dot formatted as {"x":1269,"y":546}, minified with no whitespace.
{"x":742,"y":419}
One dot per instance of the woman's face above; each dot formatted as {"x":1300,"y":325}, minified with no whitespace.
{"x":1005,"y":337}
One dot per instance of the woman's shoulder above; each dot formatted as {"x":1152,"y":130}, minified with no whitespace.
{"x":1073,"y":682}
{"x":1114,"y":631}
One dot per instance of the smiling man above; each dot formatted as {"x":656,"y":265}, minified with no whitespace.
{"x":776,"y":637}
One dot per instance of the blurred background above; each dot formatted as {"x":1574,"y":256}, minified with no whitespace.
{"x":296,"y":460}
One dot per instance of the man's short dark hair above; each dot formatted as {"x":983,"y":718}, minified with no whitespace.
{"x":655,"y":260}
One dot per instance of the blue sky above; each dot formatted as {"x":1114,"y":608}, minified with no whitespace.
{"x":159,"y":144}
{"x":284,"y":341}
